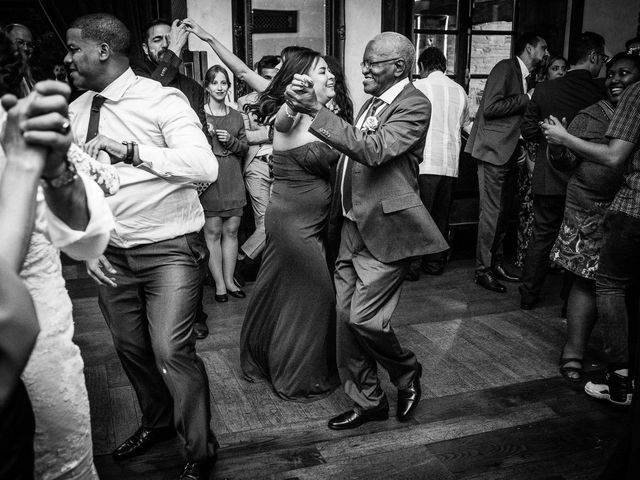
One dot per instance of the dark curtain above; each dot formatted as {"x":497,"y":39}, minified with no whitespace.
{"x":134,"y":14}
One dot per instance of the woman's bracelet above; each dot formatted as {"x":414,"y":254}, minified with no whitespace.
{"x":289,"y":113}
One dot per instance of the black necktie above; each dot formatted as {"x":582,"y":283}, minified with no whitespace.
{"x":347,"y":201}
{"x":94,"y":117}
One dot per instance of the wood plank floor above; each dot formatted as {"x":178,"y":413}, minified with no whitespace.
{"x":494,"y":406}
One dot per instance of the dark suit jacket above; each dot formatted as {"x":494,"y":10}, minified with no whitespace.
{"x":168,"y":74}
{"x":390,"y":216}
{"x":563,"y":97}
{"x":496,"y":129}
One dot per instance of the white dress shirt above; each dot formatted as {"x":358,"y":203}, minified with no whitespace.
{"x":157,"y":199}
{"x":388,"y":96}
{"x":525,"y":74}
{"x":449,"y":113}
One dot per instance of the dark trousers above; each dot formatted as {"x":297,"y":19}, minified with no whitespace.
{"x":436,"y":192}
{"x":497,"y":190}
{"x":618,"y":268}
{"x":548,"y":212}
{"x":150,"y":314}
{"x":17,"y":427}
{"x":367,"y":293}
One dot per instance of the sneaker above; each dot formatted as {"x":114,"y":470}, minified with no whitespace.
{"x":614,"y":388}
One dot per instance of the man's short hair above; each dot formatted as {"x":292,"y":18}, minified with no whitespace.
{"x":582,"y":46}
{"x":104,"y":28}
{"x":151,"y":24}
{"x":268,"y":61}
{"x":432,"y":59}
{"x":402,"y":46}
{"x":529,"y":38}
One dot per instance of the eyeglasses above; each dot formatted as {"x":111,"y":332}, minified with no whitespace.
{"x":605,"y":57}
{"x":367,"y":65}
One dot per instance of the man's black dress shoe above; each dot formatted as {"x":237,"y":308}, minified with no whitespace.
{"x":197,"y":470}
{"x":487,"y":280}
{"x":431,"y":269}
{"x":221,"y":298}
{"x":412,"y":275}
{"x":409,"y":397}
{"x":237,"y":293}
{"x":501,"y":273}
{"x":201,"y":330}
{"x":141,"y":441}
{"x":354,"y":418}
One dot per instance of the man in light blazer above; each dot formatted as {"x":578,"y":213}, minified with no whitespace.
{"x":384,"y":224}
{"x":495,"y":144}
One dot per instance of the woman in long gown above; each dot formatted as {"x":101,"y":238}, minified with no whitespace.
{"x":54,"y":376}
{"x":288,"y":334}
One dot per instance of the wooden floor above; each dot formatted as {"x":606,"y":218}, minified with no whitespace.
{"x":494,"y":406}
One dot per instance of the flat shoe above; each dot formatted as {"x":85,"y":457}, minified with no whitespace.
{"x":237,"y":293}
{"x":221,"y":298}
{"x":573,"y":374}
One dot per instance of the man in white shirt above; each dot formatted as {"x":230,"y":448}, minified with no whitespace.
{"x":150,"y":274}
{"x":439,"y":168}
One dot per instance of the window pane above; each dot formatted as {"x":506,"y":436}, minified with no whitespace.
{"x":476,"y":89}
{"x":492,"y":15}
{"x":487,"y":50}
{"x":436,"y":14}
{"x":446,"y":43}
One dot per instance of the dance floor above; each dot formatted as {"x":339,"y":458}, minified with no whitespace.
{"x":494,"y":405}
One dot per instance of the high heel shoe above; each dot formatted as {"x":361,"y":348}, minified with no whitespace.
{"x":237,"y":293}
{"x":221,"y":298}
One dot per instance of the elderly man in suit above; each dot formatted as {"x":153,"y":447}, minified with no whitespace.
{"x":495,"y":144}
{"x":384,"y":223}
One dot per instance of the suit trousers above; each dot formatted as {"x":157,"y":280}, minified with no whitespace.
{"x":497,"y":190}
{"x":548,"y":213}
{"x":436,"y":192}
{"x":258,"y":181}
{"x":367,"y":293}
{"x":150,"y":314}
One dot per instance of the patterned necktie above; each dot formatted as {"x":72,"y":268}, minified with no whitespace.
{"x":347,"y":201}
{"x":94,"y":117}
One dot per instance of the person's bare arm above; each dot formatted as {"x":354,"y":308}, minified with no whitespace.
{"x":233,"y":63}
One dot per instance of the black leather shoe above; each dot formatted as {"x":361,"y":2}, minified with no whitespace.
{"x":412,"y":275}
{"x":501,"y":273}
{"x":201,"y":330}
{"x":353,"y":418}
{"x":141,"y":441}
{"x":197,"y":470}
{"x":431,"y":269}
{"x":487,"y":280}
{"x":237,"y":293}
{"x":409,"y":397}
{"x":221,"y":298}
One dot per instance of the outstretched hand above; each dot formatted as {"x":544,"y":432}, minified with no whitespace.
{"x":300,"y":95}
{"x":192,"y":27}
{"x":554,"y":130}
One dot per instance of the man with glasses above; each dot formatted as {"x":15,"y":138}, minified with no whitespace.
{"x":495,"y":143}
{"x":383,"y":224}
{"x":23,"y":45}
{"x":563,"y":97}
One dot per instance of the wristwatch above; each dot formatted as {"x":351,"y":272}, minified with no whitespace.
{"x":128,"y":158}
{"x":67,"y":177}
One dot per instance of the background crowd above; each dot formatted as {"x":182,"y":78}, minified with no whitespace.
{"x":144,"y":174}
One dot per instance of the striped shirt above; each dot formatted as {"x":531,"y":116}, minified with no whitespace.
{"x":449,"y":113}
{"x":625,"y":125}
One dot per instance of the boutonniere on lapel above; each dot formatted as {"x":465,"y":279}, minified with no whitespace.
{"x":371,"y":124}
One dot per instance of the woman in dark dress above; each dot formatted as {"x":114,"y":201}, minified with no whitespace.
{"x":223,"y":200}
{"x":288,"y":335}
{"x":589,"y":192}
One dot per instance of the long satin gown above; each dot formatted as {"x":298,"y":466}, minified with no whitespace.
{"x":288,"y":335}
